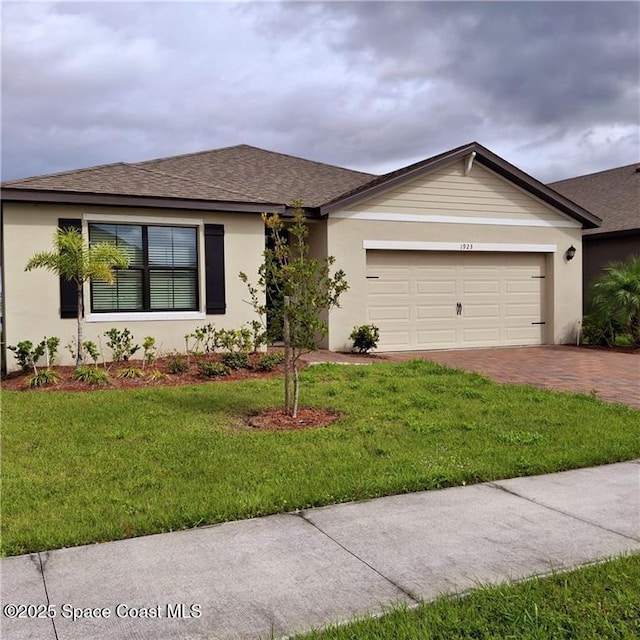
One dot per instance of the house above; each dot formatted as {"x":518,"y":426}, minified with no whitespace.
{"x":460,"y":250}
{"x":614,"y":196}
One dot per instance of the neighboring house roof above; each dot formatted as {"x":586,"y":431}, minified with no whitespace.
{"x":242,"y":174}
{"x":245,"y":178}
{"x":613,"y":195}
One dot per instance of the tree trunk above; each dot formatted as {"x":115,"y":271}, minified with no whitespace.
{"x":80,"y":339}
{"x":296,"y":388}
{"x":287,"y":357}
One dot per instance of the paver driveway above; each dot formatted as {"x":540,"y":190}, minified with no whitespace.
{"x":614,"y":377}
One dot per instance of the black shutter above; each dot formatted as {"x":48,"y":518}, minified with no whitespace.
{"x":68,"y":293}
{"x":214,"y":268}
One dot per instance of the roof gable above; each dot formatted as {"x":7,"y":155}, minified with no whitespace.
{"x":481,"y":155}
{"x":613,"y":195}
{"x":450,"y":192}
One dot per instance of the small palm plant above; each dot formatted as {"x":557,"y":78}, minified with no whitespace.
{"x":616,"y":295}
{"x":73,"y":260}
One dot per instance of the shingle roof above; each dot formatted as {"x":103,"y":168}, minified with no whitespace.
{"x":125,"y":179}
{"x":240,"y":174}
{"x":613,"y":195}
{"x":250,"y":178}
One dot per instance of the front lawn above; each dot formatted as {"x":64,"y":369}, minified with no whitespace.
{"x":595,"y":602}
{"x":104,"y":465}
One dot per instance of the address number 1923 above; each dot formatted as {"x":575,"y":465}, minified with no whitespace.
{"x":466,"y":246}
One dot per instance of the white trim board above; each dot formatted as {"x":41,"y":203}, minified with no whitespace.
{"x":416,"y":217}
{"x":402,"y":245}
{"x":145,"y":316}
{"x":136,"y":219}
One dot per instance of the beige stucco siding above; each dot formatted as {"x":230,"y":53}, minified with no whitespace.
{"x":448,"y":191}
{"x":347,"y":233}
{"x":32,"y":300}
{"x":318,"y":251}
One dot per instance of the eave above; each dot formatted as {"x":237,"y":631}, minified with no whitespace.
{"x":115,"y":200}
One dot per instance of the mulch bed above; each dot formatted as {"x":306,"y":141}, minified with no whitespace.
{"x":307,"y":418}
{"x":271,"y":420}
{"x":615,"y":349}
{"x":17,"y":381}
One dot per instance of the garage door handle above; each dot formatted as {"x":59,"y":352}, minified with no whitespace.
{"x":458,"y":308}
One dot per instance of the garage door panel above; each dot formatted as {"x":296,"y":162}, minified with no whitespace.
{"x":524,"y":286}
{"x":481,"y":335}
{"x":413,"y":295}
{"x":426,"y":287}
{"x":389,"y":287}
{"x":398,"y":340}
{"x":524,"y":310}
{"x":481,"y":286}
{"x":446,"y":338}
{"x":424,"y":312}
{"x":530,"y":297}
{"x":478,"y":311}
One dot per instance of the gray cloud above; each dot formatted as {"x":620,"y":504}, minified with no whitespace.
{"x":553,"y":87}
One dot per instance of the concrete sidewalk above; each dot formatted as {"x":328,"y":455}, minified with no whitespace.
{"x":278,"y":575}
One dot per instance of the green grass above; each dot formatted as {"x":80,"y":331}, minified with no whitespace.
{"x":596,"y":602}
{"x":104,"y":465}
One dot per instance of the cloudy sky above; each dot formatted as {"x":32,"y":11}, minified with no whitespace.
{"x":551,"y":87}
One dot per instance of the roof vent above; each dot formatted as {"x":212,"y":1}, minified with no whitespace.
{"x":638,"y":169}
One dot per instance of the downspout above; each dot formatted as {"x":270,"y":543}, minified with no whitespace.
{"x":469,"y":164}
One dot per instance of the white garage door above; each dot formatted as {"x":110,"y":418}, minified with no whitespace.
{"x":437,"y":300}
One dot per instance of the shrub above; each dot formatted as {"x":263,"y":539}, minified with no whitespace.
{"x":27,"y":355}
{"x":205,"y":339}
{"x":365,"y":338}
{"x":91,"y":349}
{"x":91,"y":375}
{"x":269,"y":361}
{"x":235,"y":340}
{"x":235,"y":360}
{"x":51,"y":349}
{"x":177,"y":364}
{"x":599,"y":329}
{"x":616,"y":294}
{"x":149,"y":348}
{"x":212,"y":369}
{"x":121,"y":344}
{"x":42,"y":378}
{"x":156,"y":375}
{"x":130,"y":372}
{"x":258,"y":335}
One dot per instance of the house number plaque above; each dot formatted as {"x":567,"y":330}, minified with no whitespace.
{"x":466,"y":246}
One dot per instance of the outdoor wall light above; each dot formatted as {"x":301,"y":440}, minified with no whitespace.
{"x":571,"y":252}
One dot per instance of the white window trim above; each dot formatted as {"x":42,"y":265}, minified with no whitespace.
{"x":145,"y":316}
{"x":463,"y":246}
{"x":150,"y":316}
{"x":390,"y":216}
{"x":147,"y":220}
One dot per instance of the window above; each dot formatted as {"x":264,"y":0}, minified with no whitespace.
{"x":162,"y":273}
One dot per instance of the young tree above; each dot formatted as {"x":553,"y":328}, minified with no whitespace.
{"x":616,"y":295}
{"x":73,"y":260}
{"x":301,"y":291}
